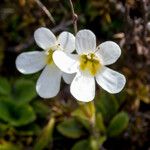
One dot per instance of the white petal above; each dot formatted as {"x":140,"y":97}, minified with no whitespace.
{"x":67,"y":41}
{"x":85,"y":41}
{"x":30,"y":62}
{"x":108,"y":52}
{"x":48,"y":84}
{"x":68,"y":77}
{"x":68,"y":63}
{"x":44,"y":38}
{"x":83,"y":87}
{"x":110,"y":80}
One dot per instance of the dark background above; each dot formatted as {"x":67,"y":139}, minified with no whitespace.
{"x":24,"y":116}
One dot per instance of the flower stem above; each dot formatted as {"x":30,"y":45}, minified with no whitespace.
{"x":74,"y":16}
{"x":45,"y":10}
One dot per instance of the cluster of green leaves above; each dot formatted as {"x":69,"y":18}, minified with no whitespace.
{"x":18,"y":113}
{"x":14,"y":102}
{"x":93,"y":123}
{"x":89,"y":124}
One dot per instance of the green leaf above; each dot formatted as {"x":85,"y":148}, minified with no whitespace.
{"x":40,"y":108}
{"x":70,"y":128}
{"x":8,"y":146}
{"x":89,"y":144}
{"x":81,"y":145}
{"x":85,"y":113}
{"x":100,"y":123}
{"x":46,"y":136}
{"x":16,"y":115}
{"x":84,"y":122}
{"x":24,"y":91}
{"x":118,"y":124}
{"x":96,"y":142}
{"x":107,"y":105}
{"x":5,"y":87}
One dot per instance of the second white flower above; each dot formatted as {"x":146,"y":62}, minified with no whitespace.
{"x":89,"y":64}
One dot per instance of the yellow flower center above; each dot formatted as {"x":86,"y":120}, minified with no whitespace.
{"x":90,"y":62}
{"x":49,"y":53}
{"x":49,"y":59}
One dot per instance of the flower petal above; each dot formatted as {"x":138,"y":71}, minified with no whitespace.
{"x":30,"y":62}
{"x":68,"y":77}
{"x":44,"y":38}
{"x":83,"y":87}
{"x":110,"y":80}
{"x":66,"y":62}
{"x":108,"y":52}
{"x":85,"y":41}
{"x":67,"y":41}
{"x":48,"y":84}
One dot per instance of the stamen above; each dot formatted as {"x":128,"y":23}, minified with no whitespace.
{"x":49,"y":53}
{"x":49,"y":56}
{"x":90,"y":62}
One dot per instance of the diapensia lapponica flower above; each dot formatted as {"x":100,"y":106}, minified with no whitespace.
{"x":48,"y":84}
{"x":90,"y":65}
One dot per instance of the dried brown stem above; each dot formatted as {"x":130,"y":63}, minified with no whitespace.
{"x":41,"y":5}
{"x":74,"y":16}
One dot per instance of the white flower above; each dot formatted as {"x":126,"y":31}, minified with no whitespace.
{"x":89,"y":65}
{"x":48,"y":84}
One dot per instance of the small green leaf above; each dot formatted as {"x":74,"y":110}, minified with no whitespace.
{"x":100,"y":123}
{"x":46,"y":136}
{"x":89,"y":144}
{"x":70,"y":128}
{"x":8,"y":146}
{"x":81,"y":145}
{"x":5,"y":87}
{"x":40,"y":108}
{"x":85,"y":111}
{"x":96,"y":142}
{"x":107,"y":104}
{"x":16,"y":115}
{"x":84,"y":122}
{"x":24,"y":91}
{"x":118,"y":124}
